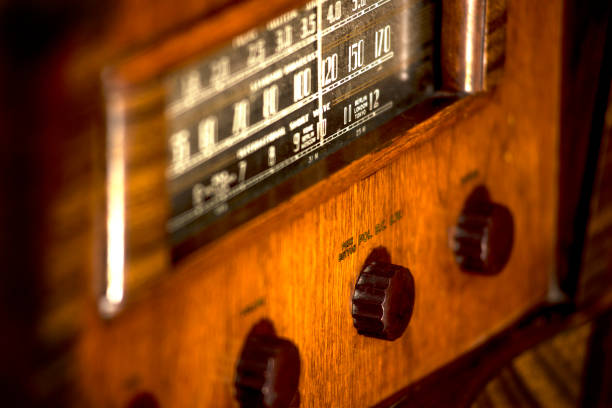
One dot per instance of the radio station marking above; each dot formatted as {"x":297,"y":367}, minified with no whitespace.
{"x":181,"y":220}
{"x":199,"y":158}
{"x":183,"y":104}
{"x":376,"y":79}
{"x":255,"y":145}
{"x":363,"y":27}
{"x":320,"y":70}
{"x":349,"y":247}
{"x":359,"y":122}
{"x":355,"y":16}
{"x":357,"y":73}
{"x":280,"y":97}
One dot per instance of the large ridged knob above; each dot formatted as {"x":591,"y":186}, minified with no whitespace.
{"x":483,"y":238}
{"x":268,"y":372}
{"x":383,"y":300}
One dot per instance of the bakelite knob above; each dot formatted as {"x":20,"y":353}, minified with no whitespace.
{"x":268,"y":372}
{"x":483,"y":238}
{"x":383,"y":300}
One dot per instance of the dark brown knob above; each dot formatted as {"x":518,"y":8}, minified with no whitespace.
{"x":268,"y":372}
{"x":483,"y":237}
{"x":383,"y":300}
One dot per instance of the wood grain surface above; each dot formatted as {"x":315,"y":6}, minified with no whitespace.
{"x":181,"y":338}
{"x":135,"y":92}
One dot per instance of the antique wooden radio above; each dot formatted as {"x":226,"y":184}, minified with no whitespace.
{"x":291,"y":203}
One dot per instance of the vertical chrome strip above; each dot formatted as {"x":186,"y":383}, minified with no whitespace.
{"x":115,"y":216}
{"x":470,"y":40}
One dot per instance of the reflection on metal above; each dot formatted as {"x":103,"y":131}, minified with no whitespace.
{"x":469,"y":45}
{"x":115,"y":217}
{"x":463,"y":40}
{"x":404,"y":27}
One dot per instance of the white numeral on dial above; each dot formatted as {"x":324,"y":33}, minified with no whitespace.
{"x":207,"y":135}
{"x":242,"y":166}
{"x":374,"y":97}
{"x":270,"y":101}
{"x":198,"y":194}
{"x":271,"y":156}
{"x":284,"y":38}
{"x":309,"y":25}
{"x":296,"y":142}
{"x":334,"y":13}
{"x":357,"y":4}
{"x":219,"y":69}
{"x":241,"y":116}
{"x":179,"y":145}
{"x":382,"y":41}
{"x":355,"y":53}
{"x":330,"y":69}
{"x":257,"y":52}
{"x":302,"y":84}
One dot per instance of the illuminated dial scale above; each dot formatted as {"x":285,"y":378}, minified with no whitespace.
{"x":282,"y":97}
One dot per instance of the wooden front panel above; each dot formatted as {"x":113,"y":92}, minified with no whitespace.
{"x":181,"y":340}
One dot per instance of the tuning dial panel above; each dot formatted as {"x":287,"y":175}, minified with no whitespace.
{"x":383,"y":300}
{"x":483,"y":238}
{"x":268,"y":371}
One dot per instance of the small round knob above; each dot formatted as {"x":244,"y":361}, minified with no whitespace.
{"x":383,"y":300}
{"x":483,"y":237}
{"x":268,"y":372}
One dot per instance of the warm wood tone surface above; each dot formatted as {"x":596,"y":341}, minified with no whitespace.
{"x":135,"y":93}
{"x":181,"y":341}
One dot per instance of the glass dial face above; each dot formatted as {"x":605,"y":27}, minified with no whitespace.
{"x":285,"y":96}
